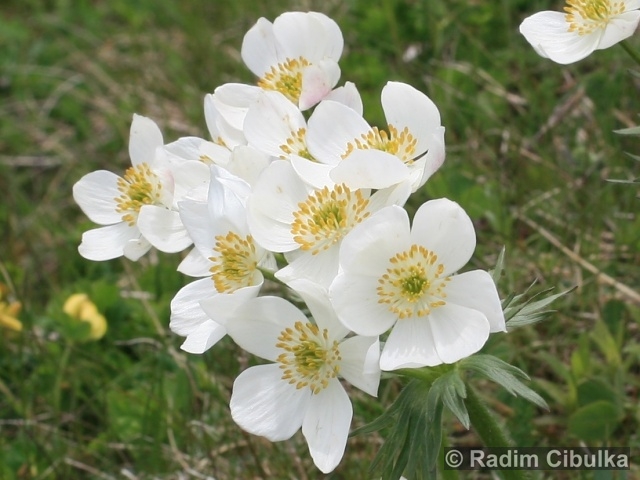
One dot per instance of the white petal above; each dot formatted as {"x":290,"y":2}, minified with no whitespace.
{"x":432,"y":161}
{"x":443,"y":227}
{"x":187,"y":177}
{"x":264,"y":404}
{"x":477,"y":290}
{"x":331,"y":128}
{"x":163,"y":229}
{"x":314,"y":174}
{"x":355,"y":301}
{"x":271,"y":205}
{"x":458,"y":331}
{"x":186,"y":312}
{"x":270,"y":121}
{"x":370,"y":169}
{"x":248,"y":163}
{"x":360,"y":364}
{"x":96,"y":195}
{"x":204,"y":337}
{"x":367,"y":249}
{"x":222,"y":308}
{"x":260,"y":48}
{"x":219,"y":129}
{"x":145,"y":137}
{"x":258,"y":323}
{"x":410,"y":345}
{"x":320,"y":268}
{"x":405,"y":106}
{"x":548,"y":34}
{"x":619,"y":28}
{"x":326,"y":426}
{"x":136,"y":248}
{"x":195,"y":264}
{"x":107,"y":242}
{"x":232,"y":101}
{"x":347,"y":95}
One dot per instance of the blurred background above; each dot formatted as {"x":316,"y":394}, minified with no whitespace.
{"x":530,"y":152}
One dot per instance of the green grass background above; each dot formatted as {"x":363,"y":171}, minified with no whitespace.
{"x":530,"y":149}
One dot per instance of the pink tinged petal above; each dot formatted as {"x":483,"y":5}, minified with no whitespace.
{"x":264,"y":404}
{"x":370,"y":169}
{"x":360,"y":364}
{"x":163,"y":229}
{"x":331,"y":128}
{"x":186,"y":312}
{"x":145,"y":137}
{"x":443,"y":227}
{"x":205,"y":336}
{"x":458,"y":331}
{"x":326,"y":426}
{"x":270,"y":207}
{"x":316,"y":297}
{"x":317,"y":81}
{"x":355,"y":301}
{"x":367,"y":249}
{"x":108,"y":242}
{"x":134,"y":249}
{"x":271,"y":120}
{"x":195,"y":264}
{"x":410,"y":344}
{"x":619,"y":28}
{"x":405,"y":106}
{"x":232,"y":101}
{"x":347,"y":95}
{"x":548,"y":33}
{"x":477,"y":290}
{"x":222,"y":308}
{"x":257,"y":324}
{"x":313,"y":174}
{"x":96,"y":195}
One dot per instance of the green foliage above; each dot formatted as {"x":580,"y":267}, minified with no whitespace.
{"x":526,"y":140}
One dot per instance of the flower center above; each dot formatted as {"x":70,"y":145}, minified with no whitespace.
{"x":309,"y":359}
{"x":326,"y":216}
{"x":586,"y":16}
{"x":139,"y":186}
{"x":235,"y":264}
{"x":297,"y":145}
{"x":285,"y":78}
{"x":402,"y":144}
{"x":412,"y":285}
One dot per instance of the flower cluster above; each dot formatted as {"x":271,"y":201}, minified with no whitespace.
{"x":296,"y":187}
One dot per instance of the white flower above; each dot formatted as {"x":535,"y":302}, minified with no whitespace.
{"x":226,"y":254}
{"x":410,"y":150}
{"x":296,"y":55}
{"x":394,"y":276}
{"x":586,"y":26}
{"x":138,"y":209}
{"x":287,"y":215}
{"x":301,"y":388}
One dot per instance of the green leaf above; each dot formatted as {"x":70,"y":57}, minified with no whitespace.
{"x":453,"y":394}
{"x":594,"y":422}
{"x":606,"y":343}
{"x":496,"y":273}
{"x":503,"y":374}
{"x":532,"y":310}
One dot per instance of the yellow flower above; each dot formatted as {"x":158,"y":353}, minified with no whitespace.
{"x":9,"y":312}
{"x":80,"y":307}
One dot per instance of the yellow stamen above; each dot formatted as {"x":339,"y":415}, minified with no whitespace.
{"x":326,"y":216}
{"x":139,"y":186}
{"x":297,"y":145}
{"x":586,"y":16}
{"x":286,"y":78}
{"x":235,"y":264}
{"x":402,"y":144}
{"x":412,"y":285}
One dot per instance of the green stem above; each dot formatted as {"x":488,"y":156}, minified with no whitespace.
{"x":490,"y":431}
{"x":57,"y":390}
{"x":632,"y":53}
